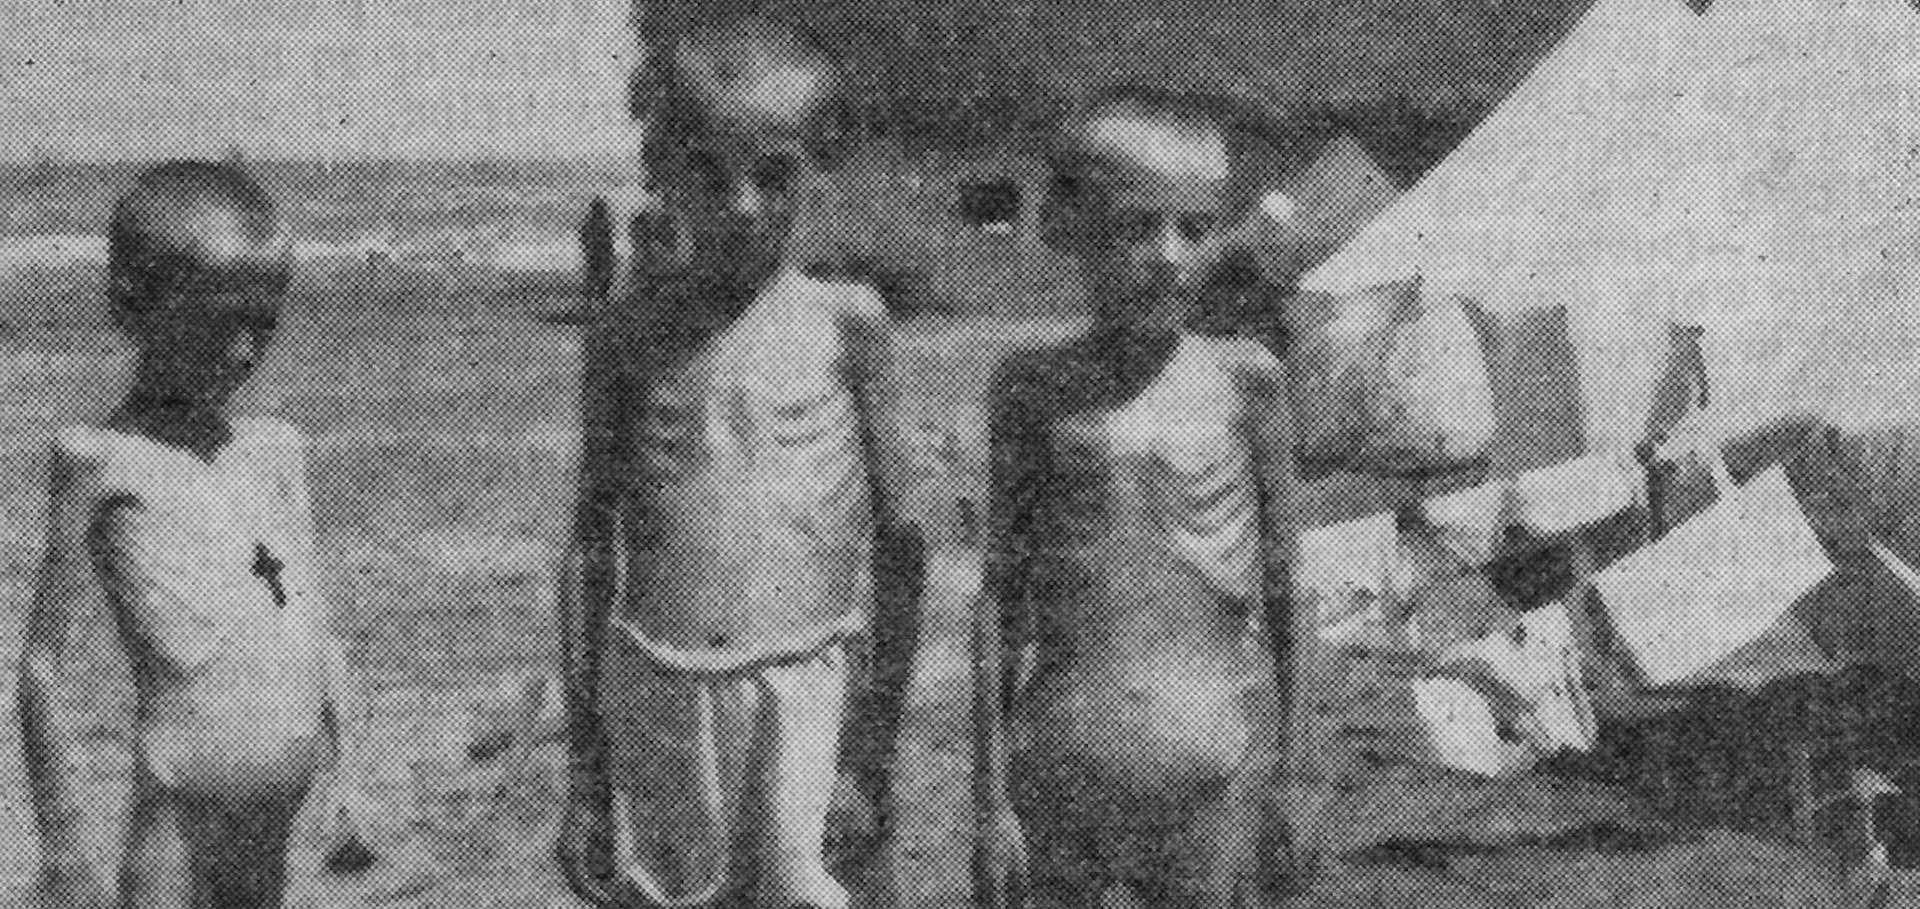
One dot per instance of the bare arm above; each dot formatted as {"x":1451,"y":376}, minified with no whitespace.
{"x":346,"y":698}
{"x":65,"y":603}
{"x":877,"y":388}
{"x":1002,"y":626}
{"x":1014,"y":453}
{"x":899,"y":556}
{"x":588,"y":584}
{"x":1270,"y":439}
{"x":590,"y":580}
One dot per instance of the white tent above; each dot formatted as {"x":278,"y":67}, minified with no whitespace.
{"x":1502,"y":220}
{"x":1332,"y":198}
{"x":1750,"y":171}
{"x":1808,"y":298}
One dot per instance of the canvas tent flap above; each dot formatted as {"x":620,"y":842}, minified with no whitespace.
{"x":1754,"y":171}
{"x":1537,"y":146}
{"x":1688,"y":604}
{"x":1542,"y":217}
{"x":1327,"y":202}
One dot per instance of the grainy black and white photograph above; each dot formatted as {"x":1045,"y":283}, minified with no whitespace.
{"x":932,"y":454}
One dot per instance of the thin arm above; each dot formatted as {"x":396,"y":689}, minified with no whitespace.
{"x":1270,"y":439}
{"x":899,"y":558}
{"x":66,"y":601}
{"x":1001,"y":624}
{"x":874,"y":377}
{"x":1014,"y":470}
{"x":346,"y":699}
{"x":587,"y":585}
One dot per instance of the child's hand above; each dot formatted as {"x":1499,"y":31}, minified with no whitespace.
{"x":1000,"y":862}
{"x":68,"y":881}
{"x":583,"y":849}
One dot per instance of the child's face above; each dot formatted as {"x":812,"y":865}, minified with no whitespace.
{"x":201,"y":347}
{"x":1158,"y":228}
{"x":735,"y":190}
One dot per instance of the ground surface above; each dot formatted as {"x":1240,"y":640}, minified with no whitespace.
{"x":443,"y":437}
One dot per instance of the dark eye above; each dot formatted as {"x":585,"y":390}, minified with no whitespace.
{"x":1130,"y":228}
{"x":708,"y":171}
{"x":774,"y":174}
{"x":1194,"y":227}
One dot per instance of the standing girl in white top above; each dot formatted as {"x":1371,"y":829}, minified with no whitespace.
{"x":195,"y":526}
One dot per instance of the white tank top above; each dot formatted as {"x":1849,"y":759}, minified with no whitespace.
{"x":203,"y":559}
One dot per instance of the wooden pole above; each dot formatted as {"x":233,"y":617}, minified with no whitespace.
{"x":989,"y":865}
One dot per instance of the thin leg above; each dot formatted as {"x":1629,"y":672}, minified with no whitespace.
{"x":1232,"y":836}
{"x":804,"y":703}
{"x":875,"y":710}
{"x":240,"y":852}
{"x":155,"y":872}
{"x":1061,"y":875}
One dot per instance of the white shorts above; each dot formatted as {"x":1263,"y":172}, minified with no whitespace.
{"x":721,"y":773}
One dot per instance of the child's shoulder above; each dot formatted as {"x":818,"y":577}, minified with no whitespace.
{"x":110,"y":452}
{"x":1242,"y":355}
{"x":848,"y":297}
{"x":97,"y":460}
{"x":270,"y":432}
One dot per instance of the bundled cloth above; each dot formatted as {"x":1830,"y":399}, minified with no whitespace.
{"x":1460,"y":679}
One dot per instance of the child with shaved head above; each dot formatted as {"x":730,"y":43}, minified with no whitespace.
{"x":741,"y":471}
{"x":194,"y":524}
{"x":1140,"y":529}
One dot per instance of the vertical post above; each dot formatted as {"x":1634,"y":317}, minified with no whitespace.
{"x":1311,"y":776}
{"x":597,"y":257}
{"x":1659,"y":477}
{"x":1799,"y":762}
{"x":989,"y":763}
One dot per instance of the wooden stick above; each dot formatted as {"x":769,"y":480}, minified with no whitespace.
{"x":989,"y":763}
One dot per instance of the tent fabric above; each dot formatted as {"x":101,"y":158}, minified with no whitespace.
{"x":1501,"y":220}
{"x":1751,"y":171}
{"x":1755,"y":172}
{"x":1333,"y":197}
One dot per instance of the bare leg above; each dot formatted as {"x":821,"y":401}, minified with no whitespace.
{"x":156,"y":872}
{"x":879,"y":693}
{"x":1210,"y":862}
{"x":188,"y":852}
{"x":240,"y":852}
{"x":1064,"y":872}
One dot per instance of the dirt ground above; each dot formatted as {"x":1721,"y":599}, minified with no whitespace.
{"x":443,"y":437}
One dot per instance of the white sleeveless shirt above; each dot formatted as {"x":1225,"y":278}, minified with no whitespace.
{"x":203,"y":560}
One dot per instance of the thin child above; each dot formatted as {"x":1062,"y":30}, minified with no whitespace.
{"x":739,"y":515}
{"x":1137,"y":616}
{"x":195,"y":525}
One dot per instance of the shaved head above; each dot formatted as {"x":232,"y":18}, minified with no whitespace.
{"x":1162,"y":144}
{"x":1131,"y":131}
{"x":190,"y":226}
{"x":753,"y":75}
{"x":1151,"y":191}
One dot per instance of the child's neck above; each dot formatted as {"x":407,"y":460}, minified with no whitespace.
{"x":701,"y":305}
{"x":1132,"y":356}
{"x":174,"y":420}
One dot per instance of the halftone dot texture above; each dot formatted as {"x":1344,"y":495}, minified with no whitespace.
{"x":1748,"y":165}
